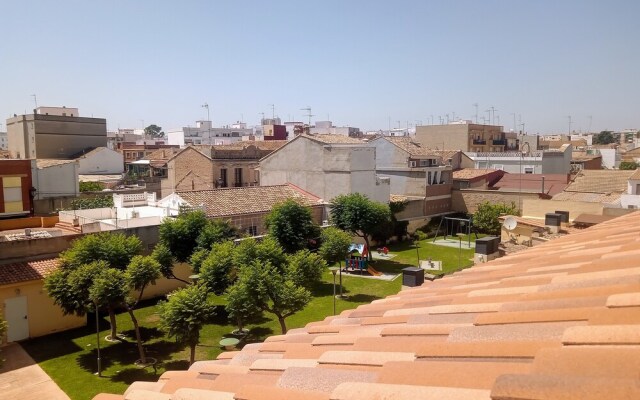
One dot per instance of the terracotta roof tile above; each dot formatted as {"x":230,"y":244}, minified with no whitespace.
{"x":245,"y":200}
{"x":334,"y":139}
{"x":27,"y":271}
{"x":471,"y":173}
{"x":46,"y":163}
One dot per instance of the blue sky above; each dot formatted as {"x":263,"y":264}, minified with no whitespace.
{"x":360,"y":63}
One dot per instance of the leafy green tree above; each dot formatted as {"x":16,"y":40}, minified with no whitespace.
{"x":240,"y":306}
{"x":291,"y":224}
{"x":184,"y":315}
{"x":109,"y":290}
{"x":629,"y":165}
{"x":335,"y":245}
{"x":218,"y":270}
{"x":604,"y":137}
{"x":87,"y":203}
{"x":154,"y":131}
{"x":305,"y":268}
{"x":485,"y":219}
{"x":267,"y":250}
{"x":357,"y":214}
{"x":395,"y":228}
{"x":181,"y":234}
{"x":215,"y":231}
{"x":271,"y":291}
{"x":116,"y":249}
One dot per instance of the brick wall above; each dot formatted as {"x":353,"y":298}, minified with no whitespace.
{"x":468,"y":200}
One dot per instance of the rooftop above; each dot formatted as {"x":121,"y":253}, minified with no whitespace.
{"x":471,"y":173}
{"x":600,"y":181}
{"x":26,"y":271}
{"x":553,"y":183}
{"x":46,"y":162}
{"x":333,"y":139}
{"x":246,"y":200}
{"x":410,"y":146}
{"x":555,"y":321}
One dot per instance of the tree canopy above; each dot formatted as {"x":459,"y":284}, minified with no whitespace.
{"x":291,"y":224}
{"x":604,"y":137}
{"x":335,"y":245}
{"x":485,"y":219}
{"x":184,"y":315}
{"x":357,"y":214}
{"x":629,"y":165}
{"x":305,"y":268}
{"x":154,"y":131}
{"x":116,"y":249}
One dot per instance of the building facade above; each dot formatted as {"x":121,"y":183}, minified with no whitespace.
{"x":50,"y":134}
{"x":464,"y":136}
{"x":327,"y":166}
{"x":16,"y":198}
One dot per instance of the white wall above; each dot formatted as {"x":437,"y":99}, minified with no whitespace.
{"x":56,"y":181}
{"x":104,"y":161}
{"x":610,"y":158}
{"x":4,"y":142}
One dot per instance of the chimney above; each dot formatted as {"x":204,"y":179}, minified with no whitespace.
{"x":552,"y":222}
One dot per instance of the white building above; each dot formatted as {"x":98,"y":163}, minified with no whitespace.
{"x":100,"y":161}
{"x":205,"y":133}
{"x":529,"y":162}
{"x":4,"y":142}
{"x":327,"y":166}
{"x":631,"y":199}
{"x":55,"y":178}
{"x":327,"y":128}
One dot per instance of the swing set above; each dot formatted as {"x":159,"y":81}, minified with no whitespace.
{"x":454,"y":226}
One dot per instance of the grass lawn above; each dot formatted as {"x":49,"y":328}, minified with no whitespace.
{"x":70,"y":357}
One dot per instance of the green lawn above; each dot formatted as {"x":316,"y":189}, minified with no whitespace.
{"x":70,"y":357}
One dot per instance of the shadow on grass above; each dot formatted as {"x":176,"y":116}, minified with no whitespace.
{"x":130,"y":375}
{"x":258,"y":334}
{"x":361,"y":298}
{"x":41,"y":349}
{"x":176,"y":365}
{"x":145,"y":332}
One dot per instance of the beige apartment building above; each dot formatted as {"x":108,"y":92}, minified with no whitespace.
{"x":465,"y":137}
{"x":54,"y":132}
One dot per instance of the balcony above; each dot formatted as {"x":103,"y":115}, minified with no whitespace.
{"x":499,"y":142}
{"x":479,"y":141}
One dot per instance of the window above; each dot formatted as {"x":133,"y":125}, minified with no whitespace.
{"x":222,"y":182}
{"x":238,"y":177}
{"x":252,"y":230}
{"x":12,"y":194}
{"x":412,"y":164}
{"x":528,"y":170}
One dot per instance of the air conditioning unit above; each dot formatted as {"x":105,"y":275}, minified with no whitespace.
{"x":413,"y":164}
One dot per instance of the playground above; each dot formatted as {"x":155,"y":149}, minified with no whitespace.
{"x":357,"y":263}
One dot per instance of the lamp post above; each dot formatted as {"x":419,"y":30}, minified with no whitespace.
{"x":98,"y":340}
{"x":415,"y":243}
{"x":334,"y":270}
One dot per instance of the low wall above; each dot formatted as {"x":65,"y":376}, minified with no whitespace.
{"x":536,"y":208}
{"x":468,"y":200}
{"x":164,"y":286}
{"x":26,"y":250}
{"x":30,"y":222}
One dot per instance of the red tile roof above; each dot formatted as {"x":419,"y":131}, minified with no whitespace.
{"x":556,"y":321}
{"x":26,"y":271}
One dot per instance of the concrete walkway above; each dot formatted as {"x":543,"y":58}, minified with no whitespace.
{"x":22,"y":379}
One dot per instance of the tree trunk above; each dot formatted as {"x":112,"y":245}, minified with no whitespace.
{"x":369,"y":253}
{"x":143,"y":358}
{"x":240,"y":325}
{"x":283,"y":326}
{"x":112,"y":321}
{"x":192,"y":358}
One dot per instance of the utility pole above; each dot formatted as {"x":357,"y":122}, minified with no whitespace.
{"x":514,"y":122}
{"x":590,"y":120}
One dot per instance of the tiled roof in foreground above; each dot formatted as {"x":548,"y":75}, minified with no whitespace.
{"x":27,"y":271}
{"x":557,"y":321}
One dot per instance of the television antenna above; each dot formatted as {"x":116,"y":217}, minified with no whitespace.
{"x":510,"y":223}
{"x":308,"y":114}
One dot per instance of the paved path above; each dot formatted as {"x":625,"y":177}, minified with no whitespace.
{"x":22,"y":379}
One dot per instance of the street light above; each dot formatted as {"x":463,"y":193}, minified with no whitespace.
{"x":334,"y":270}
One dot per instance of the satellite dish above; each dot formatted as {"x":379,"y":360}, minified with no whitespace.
{"x":510,"y":223}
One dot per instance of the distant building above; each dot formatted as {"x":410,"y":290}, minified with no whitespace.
{"x":100,"y":161}
{"x":528,"y":162}
{"x":4,"y":142}
{"x":54,"y":132}
{"x":327,"y":166}
{"x":204,"y":133}
{"x":465,"y":136}
{"x":327,"y":128}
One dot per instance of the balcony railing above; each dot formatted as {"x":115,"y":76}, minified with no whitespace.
{"x":499,"y":142}
{"x":479,"y":141}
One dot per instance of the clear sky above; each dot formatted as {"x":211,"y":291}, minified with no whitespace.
{"x":358,"y":63}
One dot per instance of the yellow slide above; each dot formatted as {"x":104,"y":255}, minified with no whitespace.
{"x":373,"y":271}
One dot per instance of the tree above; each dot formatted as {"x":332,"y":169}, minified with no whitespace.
{"x":154,"y":131}
{"x":291,"y":224}
{"x":604,"y":137}
{"x":335,"y":245}
{"x":395,"y":228}
{"x":629,"y":165}
{"x":485,"y":219}
{"x":91,"y":186}
{"x":181,"y":234}
{"x":305,"y":268}
{"x":141,"y":272}
{"x":218,"y":269}
{"x":184,"y":315}
{"x":109,"y":290}
{"x":357,"y":214}
{"x":272,"y":291}
{"x":216,"y":231}
{"x":267,"y":250}
{"x":116,"y":249}
{"x":241,"y":306}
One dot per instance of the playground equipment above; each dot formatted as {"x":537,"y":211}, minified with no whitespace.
{"x":373,"y":272}
{"x":454,"y":226}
